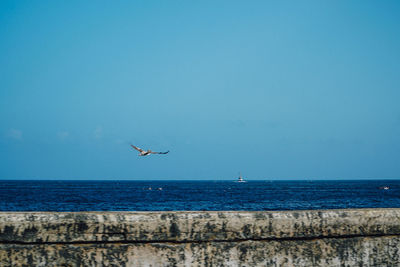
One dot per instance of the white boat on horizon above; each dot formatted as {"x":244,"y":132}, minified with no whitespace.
{"x":240,"y":179}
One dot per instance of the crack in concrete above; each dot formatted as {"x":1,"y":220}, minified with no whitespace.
{"x":236,"y":240}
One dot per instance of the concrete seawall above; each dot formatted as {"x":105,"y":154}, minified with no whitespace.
{"x":362,"y":237}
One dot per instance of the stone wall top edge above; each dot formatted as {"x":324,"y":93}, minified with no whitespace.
{"x":195,"y":226}
{"x":197,"y":211}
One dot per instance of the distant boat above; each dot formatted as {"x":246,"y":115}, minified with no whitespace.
{"x":384,"y":187}
{"x":240,"y":179}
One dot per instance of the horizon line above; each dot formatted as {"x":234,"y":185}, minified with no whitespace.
{"x":199,"y":179}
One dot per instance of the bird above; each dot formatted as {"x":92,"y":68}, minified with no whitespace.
{"x":146,"y":152}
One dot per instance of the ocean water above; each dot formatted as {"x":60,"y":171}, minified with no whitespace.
{"x":196,"y":195}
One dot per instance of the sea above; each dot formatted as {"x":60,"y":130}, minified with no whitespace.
{"x":196,"y":195}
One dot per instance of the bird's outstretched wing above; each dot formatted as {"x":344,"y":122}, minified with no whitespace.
{"x":138,"y":149}
{"x":160,"y":152}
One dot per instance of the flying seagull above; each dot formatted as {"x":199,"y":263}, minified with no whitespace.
{"x":148,"y":152}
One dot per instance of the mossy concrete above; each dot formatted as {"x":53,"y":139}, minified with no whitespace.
{"x":361,"y":237}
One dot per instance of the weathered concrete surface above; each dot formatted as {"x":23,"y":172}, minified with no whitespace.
{"x":363,"y":237}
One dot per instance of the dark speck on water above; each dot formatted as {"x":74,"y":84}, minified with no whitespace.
{"x":196,"y":195}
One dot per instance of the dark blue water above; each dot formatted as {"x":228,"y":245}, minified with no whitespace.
{"x":195,"y":195}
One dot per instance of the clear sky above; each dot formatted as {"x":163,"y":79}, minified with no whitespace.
{"x":275,"y":89}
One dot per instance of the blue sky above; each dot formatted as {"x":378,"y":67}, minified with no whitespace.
{"x":275,"y":89}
